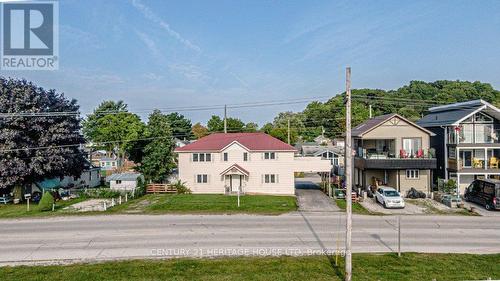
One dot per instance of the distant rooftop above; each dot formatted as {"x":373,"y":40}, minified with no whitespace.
{"x":452,"y":114}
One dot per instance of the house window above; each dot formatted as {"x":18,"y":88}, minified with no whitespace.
{"x":202,"y":178}
{"x":118,"y":181}
{"x":412,"y":146}
{"x":202,"y":157}
{"x":452,"y":153}
{"x":245,"y":156}
{"x":108,"y":164}
{"x":113,"y":164}
{"x":270,"y":178}
{"x":225,"y":156}
{"x":412,"y":174}
{"x":269,"y":155}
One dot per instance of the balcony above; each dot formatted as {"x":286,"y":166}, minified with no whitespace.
{"x":422,"y":159}
{"x":474,"y":134}
{"x":476,"y":160}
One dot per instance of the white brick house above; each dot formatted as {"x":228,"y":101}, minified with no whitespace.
{"x":252,"y":162}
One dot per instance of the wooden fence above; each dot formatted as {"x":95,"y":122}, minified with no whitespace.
{"x":160,"y":188}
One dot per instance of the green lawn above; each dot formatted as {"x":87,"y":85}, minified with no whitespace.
{"x":204,"y":203}
{"x":167,"y":204}
{"x":356,"y":207}
{"x":20,"y":210}
{"x":318,"y":268}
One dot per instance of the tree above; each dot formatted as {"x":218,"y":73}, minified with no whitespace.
{"x":199,"y":130}
{"x":180,"y":126}
{"x":251,"y":127}
{"x":119,"y":131}
{"x":106,"y":107}
{"x":34,"y":148}
{"x":216,"y":124}
{"x":157,"y":162}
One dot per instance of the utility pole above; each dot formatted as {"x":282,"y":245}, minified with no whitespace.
{"x":288,"y":130}
{"x":370,"y":107}
{"x":225,"y":119}
{"x":348,"y":178}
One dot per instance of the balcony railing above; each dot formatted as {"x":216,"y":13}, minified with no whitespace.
{"x":478,"y":135}
{"x":403,"y":154}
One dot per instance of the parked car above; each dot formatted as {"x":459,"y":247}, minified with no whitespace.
{"x":485,"y":192}
{"x":389,"y":197}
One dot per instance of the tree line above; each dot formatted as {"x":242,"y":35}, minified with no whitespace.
{"x":35,"y":148}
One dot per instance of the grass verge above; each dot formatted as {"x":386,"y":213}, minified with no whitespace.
{"x":356,"y":208}
{"x":170,"y":204}
{"x":21,"y":210}
{"x":410,"y":266}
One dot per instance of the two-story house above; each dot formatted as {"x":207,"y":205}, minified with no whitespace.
{"x":467,"y":140}
{"x":391,"y":150}
{"x":249,"y":162}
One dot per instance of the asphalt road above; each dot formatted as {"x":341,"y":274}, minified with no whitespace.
{"x":71,"y":239}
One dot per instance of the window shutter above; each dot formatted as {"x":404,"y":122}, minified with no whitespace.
{"x":275,"y":155}
{"x":262,"y":179}
{"x":208,"y":178}
{"x":277,"y":178}
{"x":195,"y":179}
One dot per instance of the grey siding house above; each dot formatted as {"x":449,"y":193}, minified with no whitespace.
{"x":466,"y":140}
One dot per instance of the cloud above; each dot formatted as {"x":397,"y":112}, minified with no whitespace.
{"x":78,"y":37}
{"x":189,"y":71}
{"x":152,"y":76}
{"x":150,"y":44}
{"x":150,"y":15}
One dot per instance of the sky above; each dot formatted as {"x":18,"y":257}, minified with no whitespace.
{"x":171,"y":54}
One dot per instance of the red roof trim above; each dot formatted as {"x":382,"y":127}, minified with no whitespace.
{"x":250,"y":141}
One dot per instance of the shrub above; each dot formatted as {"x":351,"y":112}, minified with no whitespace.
{"x":99,"y":193}
{"x":46,"y":202}
{"x":181,"y":187}
{"x":141,"y":188}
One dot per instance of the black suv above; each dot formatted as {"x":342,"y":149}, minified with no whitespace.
{"x":484,"y":192}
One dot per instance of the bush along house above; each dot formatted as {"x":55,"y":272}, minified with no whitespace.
{"x":393,"y":151}
{"x":253,"y":163}
{"x":466,"y":140}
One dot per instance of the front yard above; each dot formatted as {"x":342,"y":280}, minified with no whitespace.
{"x":209,"y":204}
{"x":410,"y":266}
{"x":169,"y":204}
{"x":20,"y":210}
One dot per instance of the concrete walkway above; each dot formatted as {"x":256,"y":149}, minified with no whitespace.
{"x":311,"y":199}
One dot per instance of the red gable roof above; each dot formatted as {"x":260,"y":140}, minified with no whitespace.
{"x":252,"y":141}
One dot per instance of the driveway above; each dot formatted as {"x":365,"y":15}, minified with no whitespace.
{"x":481,"y":210}
{"x":311,"y":198}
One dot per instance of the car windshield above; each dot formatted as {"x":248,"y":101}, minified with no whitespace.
{"x":391,"y":193}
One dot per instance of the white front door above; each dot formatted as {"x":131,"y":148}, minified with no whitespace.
{"x":235,"y":182}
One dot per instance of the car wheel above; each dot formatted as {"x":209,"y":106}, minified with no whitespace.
{"x":383,"y":204}
{"x":488,"y":207}
{"x":376,"y":199}
{"x":466,"y":197}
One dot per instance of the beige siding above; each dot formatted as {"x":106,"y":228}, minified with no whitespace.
{"x":398,"y":131}
{"x":256,"y":165}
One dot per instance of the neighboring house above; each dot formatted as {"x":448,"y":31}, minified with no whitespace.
{"x":321,"y":139}
{"x":90,"y":177}
{"x":333,"y":153}
{"x":181,"y":143}
{"x":467,"y":140}
{"x":339,"y":142}
{"x":95,"y":156}
{"x":108,"y":163}
{"x":393,"y":151}
{"x":249,"y":162}
{"x":124,"y":181}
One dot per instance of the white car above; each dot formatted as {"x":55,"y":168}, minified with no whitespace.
{"x":389,"y":197}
